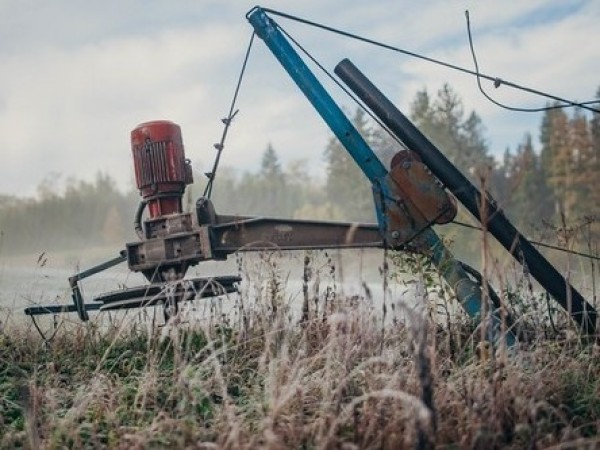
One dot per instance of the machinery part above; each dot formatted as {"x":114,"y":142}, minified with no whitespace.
{"x":173,"y":243}
{"x":265,"y":233}
{"x":78,"y":300}
{"x":402,"y":156}
{"x":205,"y":211}
{"x":58,"y":309}
{"x":161,"y":170}
{"x":493,"y":217}
{"x":169,"y":241}
{"x":386,"y":198}
{"x":415,"y":200}
{"x":160,"y":294}
{"x":425,"y":191}
{"x":149,"y":295}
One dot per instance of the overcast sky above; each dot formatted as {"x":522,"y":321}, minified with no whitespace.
{"x":78,"y":76}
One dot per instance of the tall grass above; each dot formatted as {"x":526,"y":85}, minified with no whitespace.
{"x":325,"y":374}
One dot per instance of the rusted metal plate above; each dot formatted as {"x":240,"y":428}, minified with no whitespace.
{"x":424,"y":190}
{"x":253,"y":234}
{"x":414,"y":199}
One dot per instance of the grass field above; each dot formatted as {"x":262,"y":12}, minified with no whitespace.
{"x":347,"y":373}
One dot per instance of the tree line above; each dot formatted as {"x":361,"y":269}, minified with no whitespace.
{"x":547,"y":180}
{"x":84,"y":214}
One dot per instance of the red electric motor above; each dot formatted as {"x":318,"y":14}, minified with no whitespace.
{"x":161,"y":169}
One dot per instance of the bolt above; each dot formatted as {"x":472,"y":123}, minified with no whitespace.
{"x":406,"y":165}
{"x":395,"y":234}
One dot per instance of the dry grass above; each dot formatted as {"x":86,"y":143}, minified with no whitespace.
{"x":257,"y":378}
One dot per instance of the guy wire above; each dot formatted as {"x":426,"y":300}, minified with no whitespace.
{"x":227,"y":121}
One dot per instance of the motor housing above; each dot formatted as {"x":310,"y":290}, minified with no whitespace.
{"x":169,"y":241}
{"x":161,"y":168}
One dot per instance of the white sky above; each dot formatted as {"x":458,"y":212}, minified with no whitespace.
{"x":78,"y":76}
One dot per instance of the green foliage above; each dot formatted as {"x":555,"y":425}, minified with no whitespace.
{"x":571,"y":162}
{"x":529,"y":198}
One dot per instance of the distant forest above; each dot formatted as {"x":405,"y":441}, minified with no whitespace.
{"x":546,"y":182}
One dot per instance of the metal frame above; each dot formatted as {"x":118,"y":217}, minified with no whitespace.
{"x":468,"y":292}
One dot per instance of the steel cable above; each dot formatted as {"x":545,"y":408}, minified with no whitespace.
{"x":495,"y":80}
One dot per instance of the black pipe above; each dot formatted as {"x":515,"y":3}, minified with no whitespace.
{"x":496,"y":222}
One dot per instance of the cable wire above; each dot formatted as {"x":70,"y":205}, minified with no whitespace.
{"x":539,"y":244}
{"x":227,"y":121}
{"x":496,"y":80}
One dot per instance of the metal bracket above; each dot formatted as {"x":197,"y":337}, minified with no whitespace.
{"x":76,"y":294}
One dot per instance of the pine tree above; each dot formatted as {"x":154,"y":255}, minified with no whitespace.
{"x":273,"y":185}
{"x":500,"y":182}
{"x":529,"y":201}
{"x":442,"y":121}
{"x":422,"y":112}
{"x":556,"y":158}
{"x":585,"y":170}
{"x":270,"y":167}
